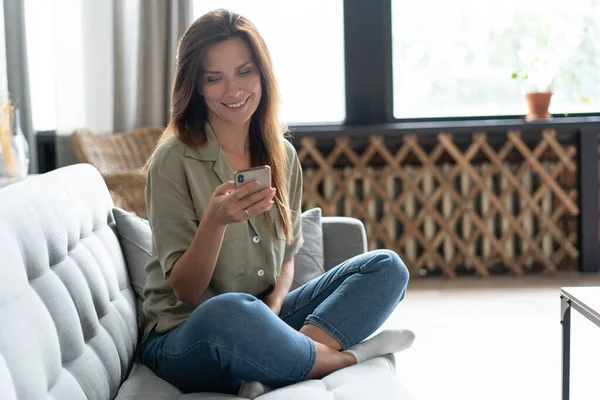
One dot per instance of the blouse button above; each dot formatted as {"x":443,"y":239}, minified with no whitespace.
{"x":260,"y":272}
{"x":256,"y":239}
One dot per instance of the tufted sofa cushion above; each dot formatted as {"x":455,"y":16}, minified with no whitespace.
{"x":67,"y":308}
{"x":373,"y":379}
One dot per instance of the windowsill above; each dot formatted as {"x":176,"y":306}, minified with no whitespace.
{"x":427,"y":126}
{"x":500,"y":125}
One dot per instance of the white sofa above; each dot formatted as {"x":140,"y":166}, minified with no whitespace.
{"x":68,"y":311}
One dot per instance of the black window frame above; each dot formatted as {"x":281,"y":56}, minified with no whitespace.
{"x":369,"y":73}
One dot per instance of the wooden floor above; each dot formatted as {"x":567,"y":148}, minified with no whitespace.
{"x":494,"y":338}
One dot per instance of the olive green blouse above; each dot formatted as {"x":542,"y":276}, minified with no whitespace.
{"x":181,"y":180}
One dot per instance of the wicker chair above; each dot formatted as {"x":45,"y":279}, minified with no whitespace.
{"x":120,"y":158}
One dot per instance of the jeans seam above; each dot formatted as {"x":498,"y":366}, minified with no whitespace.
{"x":312,"y":361}
{"x":175,"y":356}
{"x":329,"y":329}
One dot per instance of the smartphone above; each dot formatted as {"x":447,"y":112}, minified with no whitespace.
{"x":261,"y":174}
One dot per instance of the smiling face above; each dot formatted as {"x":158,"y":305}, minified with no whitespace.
{"x":230,"y":82}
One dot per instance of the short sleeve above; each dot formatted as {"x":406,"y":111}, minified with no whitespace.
{"x":295,"y":196}
{"x":170,"y":208}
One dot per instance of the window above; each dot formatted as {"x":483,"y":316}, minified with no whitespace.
{"x":70,"y":60}
{"x":453,"y":59}
{"x":40,"y":34}
{"x":306,"y":42}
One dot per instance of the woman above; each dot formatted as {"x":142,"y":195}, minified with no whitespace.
{"x":218,"y":309}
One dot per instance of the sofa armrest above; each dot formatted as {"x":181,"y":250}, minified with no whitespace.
{"x":343,"y":238}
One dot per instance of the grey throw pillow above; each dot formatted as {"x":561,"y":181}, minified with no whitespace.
{"x":309,"y":262}
{"x":135,"y":237}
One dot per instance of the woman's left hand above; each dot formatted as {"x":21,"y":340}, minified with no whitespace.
{"x":276,"y":299}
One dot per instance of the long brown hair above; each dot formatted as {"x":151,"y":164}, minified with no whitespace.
{"x":189,"y":112}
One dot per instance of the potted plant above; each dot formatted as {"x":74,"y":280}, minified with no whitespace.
{"x":546,"y":60}
{"x":537,"y":73}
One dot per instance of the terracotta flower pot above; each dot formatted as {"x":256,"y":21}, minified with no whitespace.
{"x":538,"y":105}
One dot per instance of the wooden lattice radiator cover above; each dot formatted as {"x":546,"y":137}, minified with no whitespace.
{"x":449,"y":209}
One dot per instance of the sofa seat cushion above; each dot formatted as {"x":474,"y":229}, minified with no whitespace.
{"x":310,"y":259}
{"x":135,"y":236}
{"x":143,"y":384}
{"x":373,"y":379}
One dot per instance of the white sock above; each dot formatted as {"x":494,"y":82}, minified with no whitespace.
{"x":388,"y":341}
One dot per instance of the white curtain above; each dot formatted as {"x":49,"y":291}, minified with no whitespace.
{"x":105,"y":65}
{"x":145,"y":48}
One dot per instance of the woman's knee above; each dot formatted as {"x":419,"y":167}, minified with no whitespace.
{"x":232,"y":301}
{"x":395,"y":269}
{"x":226,"y":306}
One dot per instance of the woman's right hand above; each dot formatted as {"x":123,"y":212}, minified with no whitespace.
{"x":229,"y":205}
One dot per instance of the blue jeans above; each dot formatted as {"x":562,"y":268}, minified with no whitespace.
{"x":235,"y":337}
